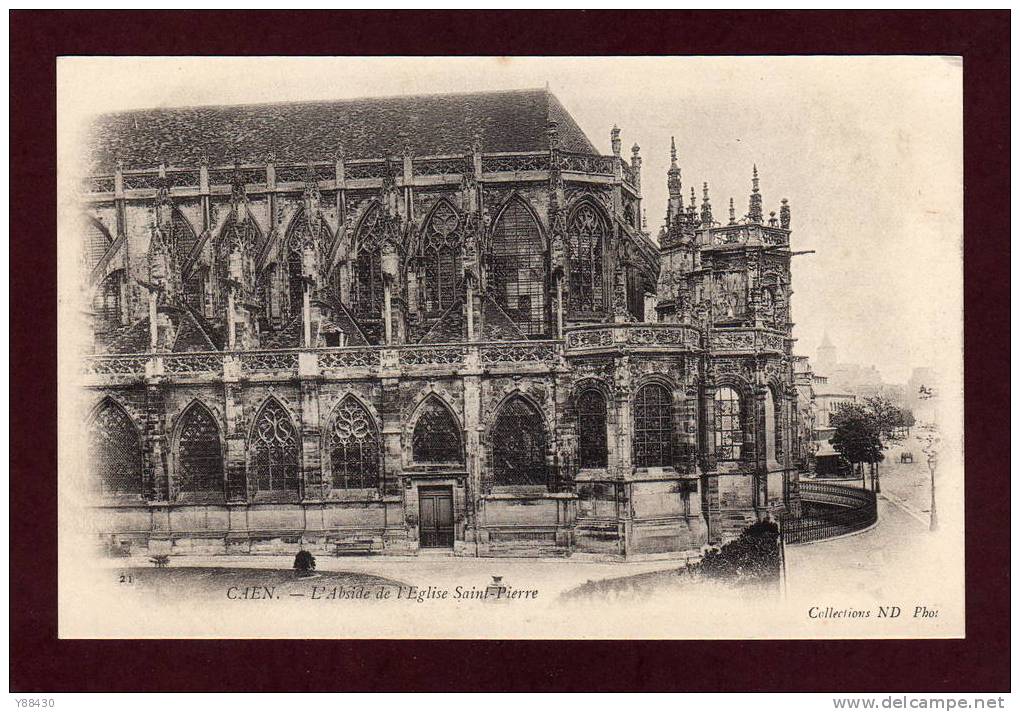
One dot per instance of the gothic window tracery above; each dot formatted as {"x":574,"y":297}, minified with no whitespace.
{"x":518,"y":444}
{"x":115,"y":451}
{"x":653,"y":426}
{"x":199,"y":455}
{"x":436,"y":436}
{"x":586,"y":237}
{"x":729,"y":426}
{"x":354,"y":447}
{"x":517,"y":268}
{"x":440,"y":259}
{"x":368,"y":286}
{"x":275,"y":451}
{"x":592,"y":450}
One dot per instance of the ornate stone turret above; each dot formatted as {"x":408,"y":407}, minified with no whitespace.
{"x":614,"y":140}
{"x":784,"y":215}
{"x":754,"y":211}
{"x":676,"y":198}
{"x":635,"y":164}
{"x":706,"y":208}
{"x":733,"y":213}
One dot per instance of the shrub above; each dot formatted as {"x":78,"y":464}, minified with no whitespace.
{"x":753,"y":555}
{"x":304,"y":561}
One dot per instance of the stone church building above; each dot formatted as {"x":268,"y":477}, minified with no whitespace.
{"x":423,"y":322}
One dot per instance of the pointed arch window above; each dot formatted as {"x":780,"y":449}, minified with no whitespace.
{"x":729,"y":424}
{"x":275,"y":451}
{"x":653,"y":426}
{"x":436,"y":436}
{"x":592,"y":450}
{"x":440,"y":259}
{"x":518,"y":445}
{"x":295,"y":269}
{"x":115,"y":451}
{"x":586,"y":239}
{"x":199,"y":454}
{"x":354,"y":447}
{"x":368,"y":284}
{"x":517,"y":268}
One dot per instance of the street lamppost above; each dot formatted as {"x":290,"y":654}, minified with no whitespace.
{"x":931,"y":450}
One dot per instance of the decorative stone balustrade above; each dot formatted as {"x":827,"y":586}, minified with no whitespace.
{"x":747,"y":340}
{"x":749,"y":234}
{"x":640,"y":336}
{"x":357,"y":362}
{"x":515,"y":162}
{"x":187,"y":180}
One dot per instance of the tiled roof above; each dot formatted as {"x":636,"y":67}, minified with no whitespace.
{"x":431,"y":124}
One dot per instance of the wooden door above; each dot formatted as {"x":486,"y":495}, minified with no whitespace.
{"x":436,"y":520}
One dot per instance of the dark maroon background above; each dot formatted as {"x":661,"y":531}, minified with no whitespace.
{"x":40,"y":662}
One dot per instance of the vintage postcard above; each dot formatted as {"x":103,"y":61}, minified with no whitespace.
{"x":646,"y":347}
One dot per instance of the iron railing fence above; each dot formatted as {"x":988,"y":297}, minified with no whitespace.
{"x":844,"y":510}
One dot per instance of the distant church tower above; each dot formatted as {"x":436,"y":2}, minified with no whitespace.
{"x":826,"y":356}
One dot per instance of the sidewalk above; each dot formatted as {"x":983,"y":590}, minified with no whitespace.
{"x":551,"y":576}
{"x":892,"y":559}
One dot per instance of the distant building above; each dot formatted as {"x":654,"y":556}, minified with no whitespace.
{"x":807,"y":414}
{"x":853,"y":378}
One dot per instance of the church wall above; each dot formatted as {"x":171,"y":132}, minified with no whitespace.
{"x":613,"y":511}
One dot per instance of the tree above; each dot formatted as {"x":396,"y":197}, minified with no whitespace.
{"x":888,"y":418}
{"x":907,"y":418}
{"x":857,"y":436}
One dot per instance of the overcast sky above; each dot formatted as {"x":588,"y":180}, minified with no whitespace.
{"x":867,"y":150}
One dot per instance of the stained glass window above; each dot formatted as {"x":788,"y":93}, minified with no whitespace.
{"x":436,"y":437}
{"x":440,"y":259}
{"x":368,"y":285}
{"x":106,"y":302}
{"x":518,"y":445}
{"x":275,"y":448}
{"x":199,"y":455}
{"x":653,"y":426}
{"x":586,"y":234}
{"x":517,"y":268}
{"x":115,"y":451}
{"x":354,"y":447}
{"x":591,"y":426}
{"x":295,"y":269}
{"x":729,"y":428}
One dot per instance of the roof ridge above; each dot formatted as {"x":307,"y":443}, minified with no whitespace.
{"x":424,"y":124}
{"x":313,"y":102}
